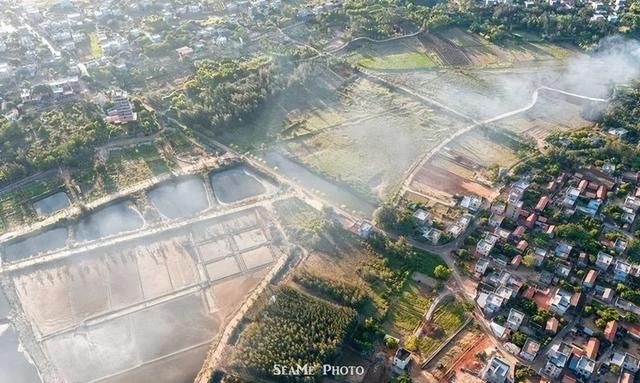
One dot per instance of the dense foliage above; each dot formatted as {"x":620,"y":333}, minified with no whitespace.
{"x":396,"y":219}
{"x":60,"y":136}
{"x":294,"y":328}
{"x":553,"y":23}
{"x":402,"y":256}
{"x":625,"y":112}
{"x":222,"y":95}
{"x":339,"y":291}
{"x":383,"y":19}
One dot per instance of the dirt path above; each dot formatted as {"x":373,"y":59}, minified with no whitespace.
{"x":432,"y":308}
{"x":534,"y":100}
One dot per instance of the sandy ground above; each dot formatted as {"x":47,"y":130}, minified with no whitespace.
{"x":217,"y":248}
{"x":222,"y":268}
{"x":257,"y":257}
{"x":128,"y":341}
{"x":146,"y":313}
{"x":251,"y":238}
{"x":99,"y":284}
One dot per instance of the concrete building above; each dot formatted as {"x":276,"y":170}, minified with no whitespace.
{"x":496,"y":371}
{"x":122,"y":111}
{"x":557,"y":358}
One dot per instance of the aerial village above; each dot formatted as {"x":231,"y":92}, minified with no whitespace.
{"x":555,"y":266}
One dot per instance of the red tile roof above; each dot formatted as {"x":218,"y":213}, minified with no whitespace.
{"x":601,"y":193}
{"x":575,"y":299}
{"x":593,"y":345}
{"x":583,"y":185}
{"x":531,"y":219}
{"x":529,"y":292}
{"x":552,"y":325}
{"x":626,"y":377}
{"x":591,"y":277}
{"x":519,"y":231}
{"x":522,"y":245}
{"x":542,"y":203}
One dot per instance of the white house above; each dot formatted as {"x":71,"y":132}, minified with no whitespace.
{"x":530,"y":349}
{"x":515,"y":319}
{"x":604,"y":260}
{"x":402,"y":358}
{"x":560,"y":302}
{"x":496,"y":371}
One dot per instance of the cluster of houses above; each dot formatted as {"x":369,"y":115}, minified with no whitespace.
{"x":560,"y":278}
{"x":454,"y":227}
{"x":42,"y":45}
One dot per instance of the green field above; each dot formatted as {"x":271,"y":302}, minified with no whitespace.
{"x":405,"y":312}
{"x":447,"y":318}
{"x":394,"y":55}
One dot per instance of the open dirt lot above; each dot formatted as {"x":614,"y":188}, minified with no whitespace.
{"x":459,"y":355}
{"x":463,"y":168}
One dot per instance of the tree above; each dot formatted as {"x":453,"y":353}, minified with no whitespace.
{"x":385,"y":217}
{"x":633,"y":250}
{"x":615,"y":369}
{"x":391,"y":342}
{"x":411,"y":343}
{"x":523,"y":372}
{"x":518,"y":338}
{"x":529,"y":260}
{"x":404,"y":378}
{"x":442,"y":272}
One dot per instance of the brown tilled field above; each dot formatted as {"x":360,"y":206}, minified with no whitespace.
{"x":446,"y":50}
{"x":442,"y":178}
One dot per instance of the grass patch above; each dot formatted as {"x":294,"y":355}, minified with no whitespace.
{"x":528,"y":36}
{"x":131,"y":165}
{"x":406,"y":311}
{"x":393,"y":56}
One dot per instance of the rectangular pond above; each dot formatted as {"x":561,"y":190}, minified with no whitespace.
{"x":52,"y":204}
